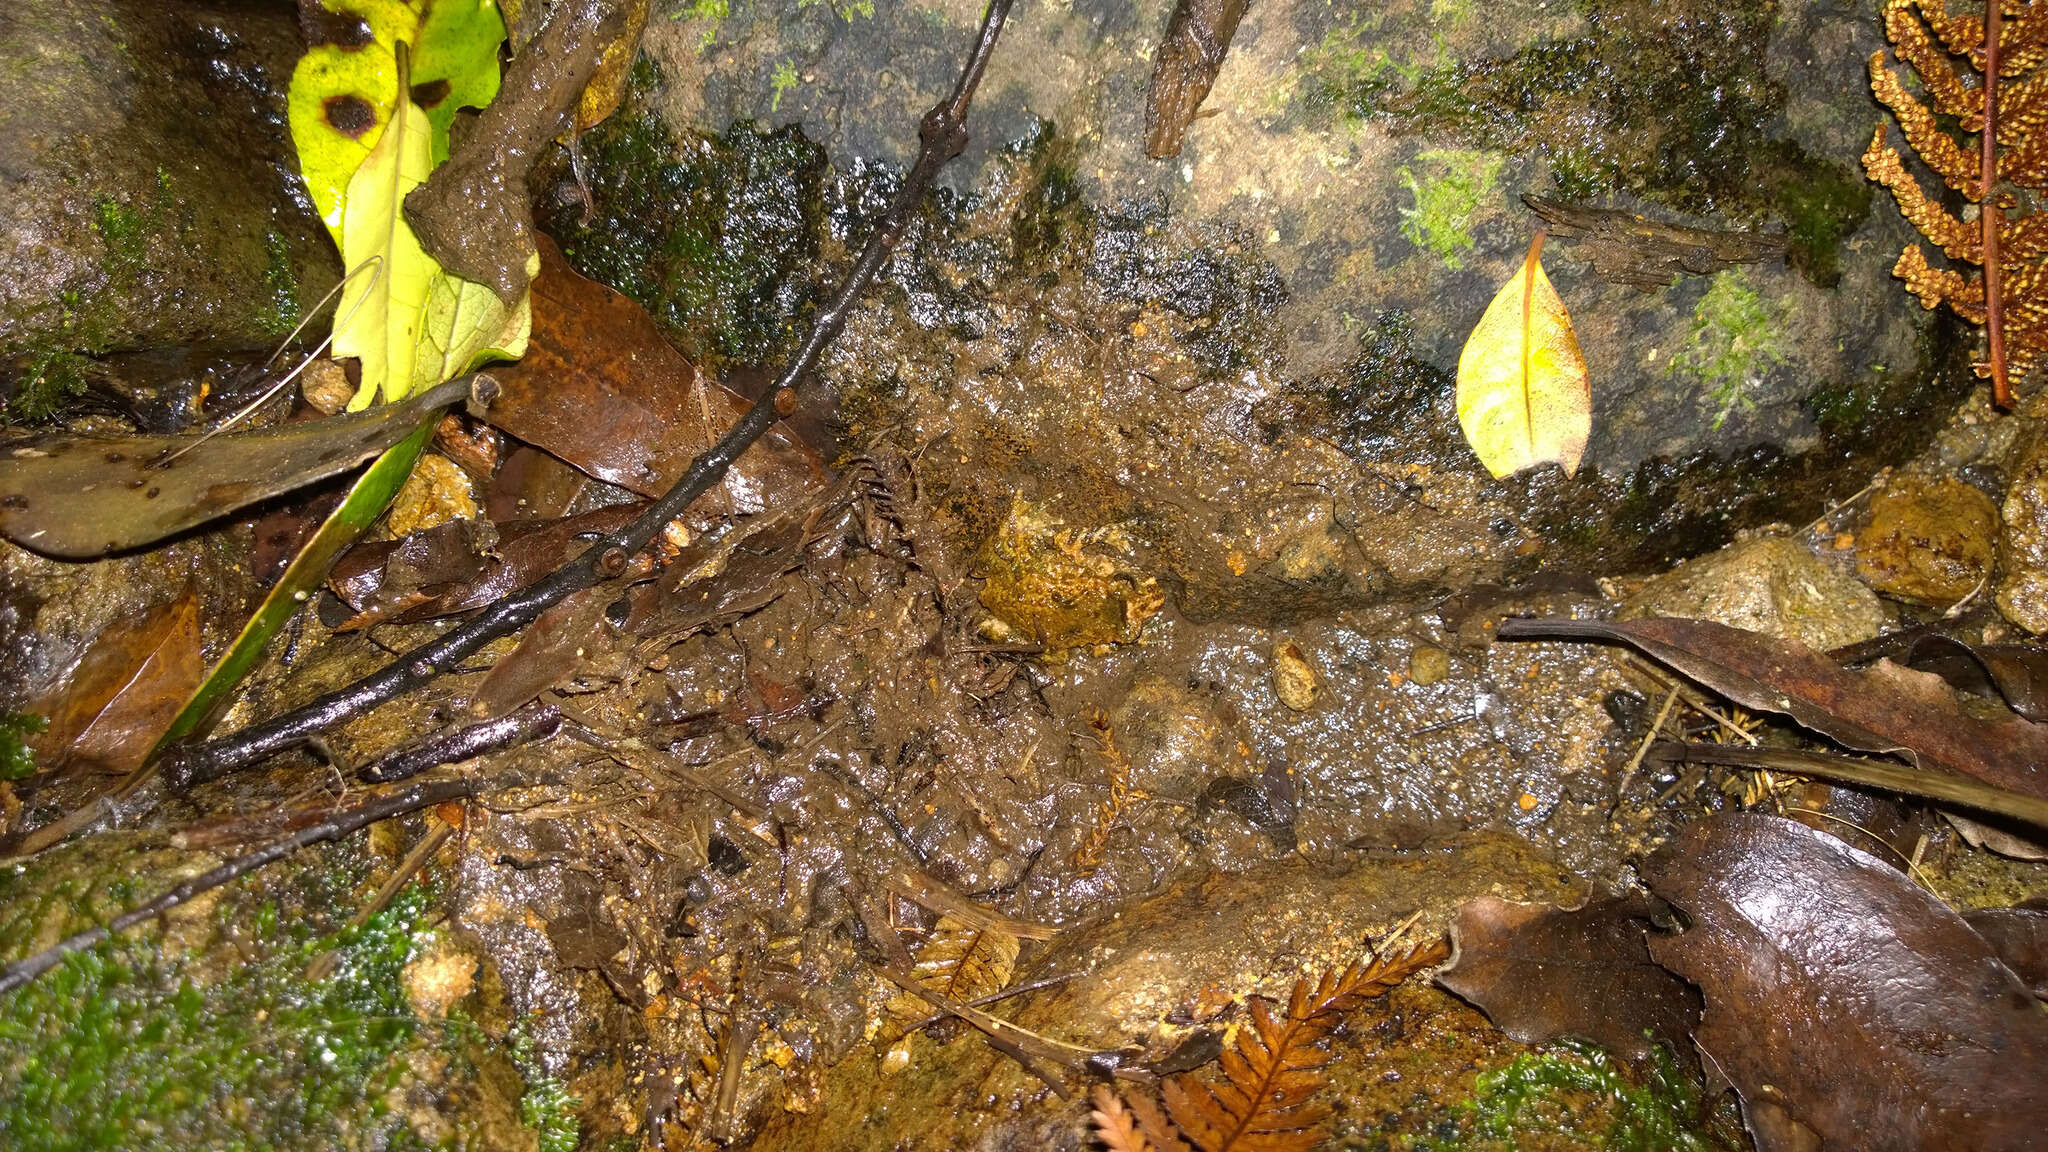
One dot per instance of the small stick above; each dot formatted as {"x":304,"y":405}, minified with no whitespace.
{"x":994,"y":998}
{"x":921,"y":889}
{"x":1988,"y":213}
{"x":323,"y":966}
{"x":1934,"y":786}
{"x":536,"y":721}
{"x":1021,"y":1044}
{"x":335,"y":827}
{"x":1656,"y":726}
{"x":943,"y":135}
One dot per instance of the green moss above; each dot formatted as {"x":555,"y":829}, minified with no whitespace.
{"x":714,"y":236}
{"x":1618,"y":107}
{"x":207,"y":1034}
{"x":1573,"y":1082}
{"x":783,"y":81}
{"x":709,"y":13}
{"x":847,"y":10}
{"x":1736,"y":339}
{"x":547,"y":1107}
{"x":1822,"y":204}
{"x":123,"y":1046}
{"x":16,"y":761}
{"x":1449,"y":194}
{"x":280,"y":313}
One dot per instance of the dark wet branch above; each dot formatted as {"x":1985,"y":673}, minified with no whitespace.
{"x":533,"y":722}
{"x":340,"y":824}
{"x":943,"y":135}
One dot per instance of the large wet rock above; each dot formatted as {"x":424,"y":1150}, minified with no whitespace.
{"x":1242,"y":358}
{"x":148,"y":194}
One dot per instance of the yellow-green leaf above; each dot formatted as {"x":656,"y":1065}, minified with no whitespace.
{"x":383,"y":306}
{"x":1523,"y":396}
{"x":343,"y":93}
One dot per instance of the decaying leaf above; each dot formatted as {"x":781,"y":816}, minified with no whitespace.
{"x":1523,"y":393}
{"x":548,"y":652}
{"x":1843,"y":1002}
{"x":2017,"y":673}
{"x":2020,"y":937}
{"x":1541,"y":972}
{"x":601,"y":389}
{"x":964,"y":962}
{"x":81,"y":497}
{"x":451,"y":569}
{"x":1884,"y":708}
{"x":961,"y":962}
{"x":1264,"y":1101}
{"x":366,"y":500}
{"x":108,"y":711}
{"x":1191,"y":54}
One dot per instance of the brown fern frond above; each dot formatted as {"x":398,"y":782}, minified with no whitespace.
{"x":960,"y":961}
{"x":1152,"y":1121}
{"x":1088,"y":857}
{"x":1114,"y":1124}
{"x":2007,"y":111}
{"x":1263,"y":1102}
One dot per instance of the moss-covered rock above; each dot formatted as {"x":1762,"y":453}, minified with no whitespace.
{"x":150,"y":192}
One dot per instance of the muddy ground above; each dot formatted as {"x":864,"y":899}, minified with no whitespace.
{"x":1142,"y":598}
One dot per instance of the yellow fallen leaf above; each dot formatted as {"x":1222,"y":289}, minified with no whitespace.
{"x":1523,"y":397}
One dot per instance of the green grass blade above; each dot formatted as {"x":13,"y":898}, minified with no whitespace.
{"x":372,"y":493}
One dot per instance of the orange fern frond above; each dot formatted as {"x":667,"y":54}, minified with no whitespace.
{"x":1114,"y":1124}
{"x":1263,"y":1103}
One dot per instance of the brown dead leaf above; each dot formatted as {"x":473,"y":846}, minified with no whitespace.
{"x":1884,"y":708}
{"x":108,"y":712}
{"x":448,"y":569}
{"x":549,"y":651}
{"x":1843,"y":1002}
{"x":600,"y":388}
{"x":2020,"y":937}
{"x":1540,"y":972}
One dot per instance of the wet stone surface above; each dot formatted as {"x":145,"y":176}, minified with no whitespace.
{"x":151,"y":201}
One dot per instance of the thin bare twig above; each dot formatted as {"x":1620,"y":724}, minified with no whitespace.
{"x":943,"y":135}
{"x":341,"y":824}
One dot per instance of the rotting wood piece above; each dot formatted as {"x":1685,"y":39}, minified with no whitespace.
{"x":1628,"y":249}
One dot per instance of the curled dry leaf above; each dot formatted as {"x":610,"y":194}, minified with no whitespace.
{"x":1523,"y":394}
{"x":1885,"y":708}
{"x":81,"y":497}
{"x":1846,"y":1004}
{"x":1540,"y":972}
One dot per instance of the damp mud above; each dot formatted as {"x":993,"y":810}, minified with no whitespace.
{"x":1150,"y":603}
